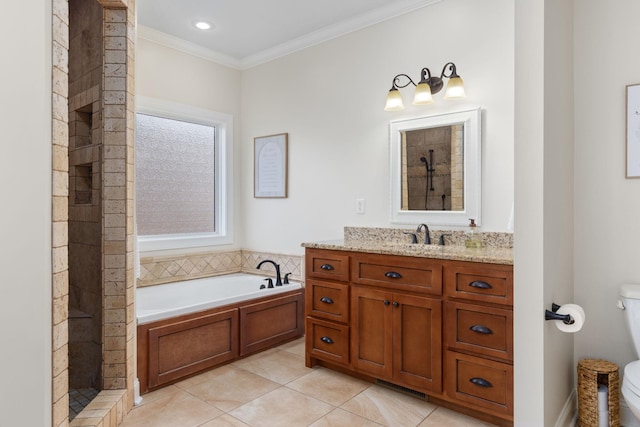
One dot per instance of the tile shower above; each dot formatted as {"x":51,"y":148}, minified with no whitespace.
{"x":92,"y":231}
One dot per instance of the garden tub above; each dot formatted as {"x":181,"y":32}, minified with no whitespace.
{"x":187,"y":327}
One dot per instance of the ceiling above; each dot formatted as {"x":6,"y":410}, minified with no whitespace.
{"x":246,"y":33}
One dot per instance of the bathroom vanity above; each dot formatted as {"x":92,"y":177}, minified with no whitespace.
{"x":428,"y":320}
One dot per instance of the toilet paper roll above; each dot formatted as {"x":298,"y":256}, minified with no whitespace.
{"x":603,"y":399}
{"x":603,"y":419}
{"x":577,"y":314}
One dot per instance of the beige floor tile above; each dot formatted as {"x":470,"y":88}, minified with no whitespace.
{"x":443,"y":417}
{"x":279,"y":366}
{"x":341,"y":418}
{"x":295,"y":347}
{"x":329,"y":386}
{"x":282,"y":408}
{"x":177,"y":409}
{"x":225,"y":420}
{"x":232,"y":387}
{"x":389,"y":407}
{"x":203,"y":377}
{"x":158,"y":394}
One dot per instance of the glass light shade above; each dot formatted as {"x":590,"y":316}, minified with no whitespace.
{"x":423,"y":94}
{"x":455,"y":88}
{"x":394,"y":101}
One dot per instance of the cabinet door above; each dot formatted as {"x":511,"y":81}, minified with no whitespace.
{"x":185,"y":347}
{"x":371,"y":325}
{"x":417,"y":341}
{"x":266,"y":323}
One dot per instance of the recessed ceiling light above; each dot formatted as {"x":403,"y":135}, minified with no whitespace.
{"x":202,"y":25}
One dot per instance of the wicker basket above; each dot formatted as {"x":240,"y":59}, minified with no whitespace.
{"x":592,"y":372}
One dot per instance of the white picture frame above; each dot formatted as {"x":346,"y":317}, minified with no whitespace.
{"x":270,"y":166}
{"x":633,"y":131}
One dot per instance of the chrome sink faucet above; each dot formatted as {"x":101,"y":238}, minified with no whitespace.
{"x":277,"y":266}
{"x":427,"y":238}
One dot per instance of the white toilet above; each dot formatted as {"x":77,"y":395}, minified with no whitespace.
{"x":630,"y":298}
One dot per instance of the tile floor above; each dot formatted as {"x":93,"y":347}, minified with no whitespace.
{"x":79,"y":399}
{"x":274,"y":388}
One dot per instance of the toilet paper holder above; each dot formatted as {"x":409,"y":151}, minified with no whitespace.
{"x":553,"y":315}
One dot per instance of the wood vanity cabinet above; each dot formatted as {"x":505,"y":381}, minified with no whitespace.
{"x":479,"y":336}
{"x":441,"y":327}
{"x":327,"y":307}
{"x":396,"y":337}
{"x":395,"y":324}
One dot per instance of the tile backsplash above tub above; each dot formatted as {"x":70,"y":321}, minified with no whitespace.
{"x":173,"y":268}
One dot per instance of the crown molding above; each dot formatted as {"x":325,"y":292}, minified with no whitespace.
{"x":185,"y":46}
{"x":327,"y":33}
{"x":336,"y":30}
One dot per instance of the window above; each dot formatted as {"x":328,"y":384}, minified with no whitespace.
{"x":183,"y":180}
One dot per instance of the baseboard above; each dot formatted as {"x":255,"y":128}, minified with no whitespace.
{"x":569,"y":415}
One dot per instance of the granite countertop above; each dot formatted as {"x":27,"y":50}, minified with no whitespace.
{"x":487,"y":254}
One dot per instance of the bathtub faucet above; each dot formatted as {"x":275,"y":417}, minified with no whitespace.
{"x":277,"y":266}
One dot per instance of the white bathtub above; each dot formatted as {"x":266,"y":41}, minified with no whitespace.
{"x":172,"y":299}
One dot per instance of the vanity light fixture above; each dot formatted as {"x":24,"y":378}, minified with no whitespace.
{"x":426,"y":87}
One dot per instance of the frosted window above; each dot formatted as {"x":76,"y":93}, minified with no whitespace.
{"x":175,"y":173}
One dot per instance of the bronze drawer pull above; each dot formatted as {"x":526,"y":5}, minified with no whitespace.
{"x":393,"y":275}
{"x":480,"y":382}
{"x":386,"y":302}
{"x":326,"y":340}
{"x":326,"y":300}
{"x":481,"y":329}
{"x":327,"y":267}
{"x":480,"y":285}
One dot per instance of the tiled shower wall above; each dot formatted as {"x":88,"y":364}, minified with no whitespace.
{"x":60,"y":213}
{"x":115,"y":79}
{"x":447,"y":145}
{"x":85,"y":205}
{"x":157,"y":270}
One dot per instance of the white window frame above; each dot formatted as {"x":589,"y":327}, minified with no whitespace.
{"x":223,"y":212}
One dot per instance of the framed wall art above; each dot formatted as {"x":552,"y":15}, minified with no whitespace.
{"x":633,"y":131}
{"x":270,"y":166}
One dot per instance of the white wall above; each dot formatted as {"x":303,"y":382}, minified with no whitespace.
{"x":559,"y":370}
{"x":170,"y":75}
{"x":25,"y":242}
{"x":544,"y":369}
{"x":329,"y":99}
{"x":529,"y":203}
{"x":607,"y":228}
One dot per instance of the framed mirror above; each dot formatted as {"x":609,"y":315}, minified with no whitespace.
{"x":436,"y":169}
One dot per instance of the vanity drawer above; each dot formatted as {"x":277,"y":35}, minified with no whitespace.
{"x":324,"y":264}
{"x":483,"y":330}
{"x":489,"y":283}
{"x":328,"y":300}
{"x":480,"y":383}
{"x":397,"y":272}
{"x":328,"y":341}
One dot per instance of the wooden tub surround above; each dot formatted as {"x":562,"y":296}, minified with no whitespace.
{"x":440,"y":327}
{"x":172,"y":349}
